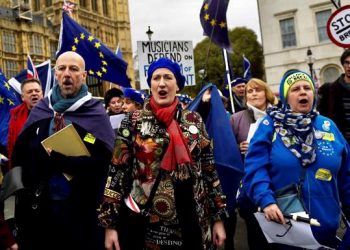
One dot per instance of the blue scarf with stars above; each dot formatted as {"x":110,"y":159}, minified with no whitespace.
{"x":296,"y":132}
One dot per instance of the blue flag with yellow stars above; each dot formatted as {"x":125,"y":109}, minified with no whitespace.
{"x":100,"y":61}
{"x":213,"y":20}
{"x":8,"y":100}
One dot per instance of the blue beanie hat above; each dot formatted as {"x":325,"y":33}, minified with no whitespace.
{"x":291,"y":77}
{"x":170,"y":65}
{"x":239,"y":80}
{"x":134,"y":95}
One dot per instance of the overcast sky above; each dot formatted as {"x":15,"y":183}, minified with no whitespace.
{"x":179,"y":19}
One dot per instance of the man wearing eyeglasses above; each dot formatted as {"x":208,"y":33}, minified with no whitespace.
{"x":60,"y":196}
{"x":334,"y":98}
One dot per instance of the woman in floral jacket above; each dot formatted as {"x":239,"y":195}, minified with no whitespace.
{"x":162,"y":173}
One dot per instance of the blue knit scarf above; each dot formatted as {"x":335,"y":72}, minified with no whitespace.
{"x":296,"y":131}
{"x":61,"y":104}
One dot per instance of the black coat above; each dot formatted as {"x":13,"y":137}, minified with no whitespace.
{"x":69,"y":221}
{"x":330,"y":103}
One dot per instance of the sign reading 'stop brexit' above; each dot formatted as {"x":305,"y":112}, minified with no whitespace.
{"x":338,"y":27}
{"x":178,"y":51}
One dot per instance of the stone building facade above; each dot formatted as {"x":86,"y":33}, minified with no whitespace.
{"x":32,"y":26}
{"x":289,"y":29}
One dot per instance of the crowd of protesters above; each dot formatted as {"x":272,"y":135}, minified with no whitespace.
{"x":160,"y":179}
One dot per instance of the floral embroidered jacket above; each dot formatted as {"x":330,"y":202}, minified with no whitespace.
{"x":139,"y":148}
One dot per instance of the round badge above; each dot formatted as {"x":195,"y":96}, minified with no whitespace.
{"x":193,"y":129}
{"x":318,"y":134}
{"x":125,"y":132}
{"x":158,"y":151}
{"x":326,"y":125}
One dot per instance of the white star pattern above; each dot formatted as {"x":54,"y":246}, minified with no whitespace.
{"x":325,"y":148}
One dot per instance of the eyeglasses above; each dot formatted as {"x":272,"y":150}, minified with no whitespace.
{"x":346,"y":63}
{"x":288,"y":226}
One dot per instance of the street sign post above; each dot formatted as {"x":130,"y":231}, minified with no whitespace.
{"x":338,"y":27}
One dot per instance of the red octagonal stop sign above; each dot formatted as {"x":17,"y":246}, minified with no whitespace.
{"x":338,"y":27}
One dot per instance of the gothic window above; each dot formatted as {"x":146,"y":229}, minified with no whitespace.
{"x":35,"y":44}
{"x":94,"y":5}
{"x":105,"y":7}
{"x":11,"y":68}
{"x":9,"y":41}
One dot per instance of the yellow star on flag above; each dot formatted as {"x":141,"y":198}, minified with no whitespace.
{"x":104,"y":63}
{"x":82,"y":36}
{"x":10,"y":101}
{"x":7,"y":85}
{"x":101,"y":54}
{"x":90,"y":38}
{"x":76,"y":40}
{"x":206,"y":17}
{"x":104,"y":70}
{"x":91,"y":72}
{"x":222,"y":25}
{"x":206,"y":6}
{"x":74,"y":48}
{"x":97,"y":45}
{"x":99,"y":73}
{"x":213,"y":22}
{"x":1,"y":100}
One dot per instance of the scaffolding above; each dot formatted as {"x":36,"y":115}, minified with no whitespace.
{"x":22,"y":9}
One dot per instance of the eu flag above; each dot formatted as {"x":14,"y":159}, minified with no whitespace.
{"x":100,"y":61}
{"x":227,"y":157}
{"x":213,"y":20}
{"x":8,"y":100}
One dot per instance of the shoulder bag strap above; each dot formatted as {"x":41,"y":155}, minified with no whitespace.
{"x":147,"y":206}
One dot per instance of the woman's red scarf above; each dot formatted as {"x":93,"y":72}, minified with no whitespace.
{"x":177,"y":152}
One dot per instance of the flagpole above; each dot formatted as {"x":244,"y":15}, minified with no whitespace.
{"x":205,"y":63}
{"x":227,"y":67}
{"x":336,"y":5}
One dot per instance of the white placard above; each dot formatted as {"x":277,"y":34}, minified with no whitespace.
{"x":299,"y":234}
{"x":116,"y":120}
{"x":178,"y":51}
